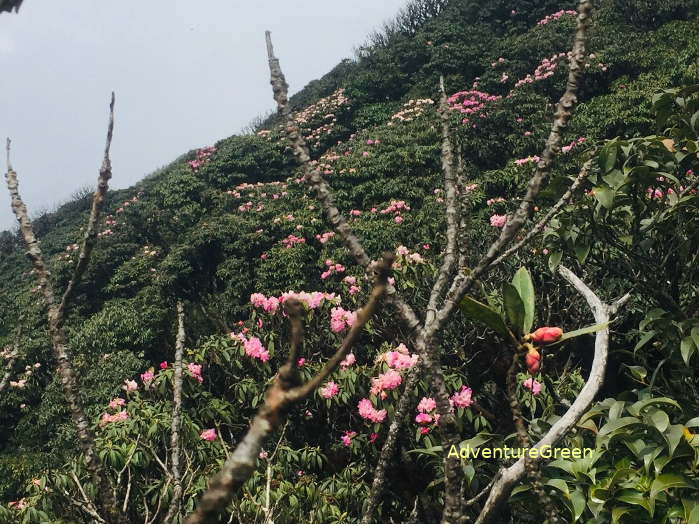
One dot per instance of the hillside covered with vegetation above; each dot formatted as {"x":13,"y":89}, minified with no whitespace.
{"x":233,"y":235}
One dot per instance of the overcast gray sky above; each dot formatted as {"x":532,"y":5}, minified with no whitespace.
{"x":185,"y":74}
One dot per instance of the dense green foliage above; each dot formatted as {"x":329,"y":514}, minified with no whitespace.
{"x":220,"y":224}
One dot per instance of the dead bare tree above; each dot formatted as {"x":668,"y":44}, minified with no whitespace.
{"x":57,"y":314}
{"x":286,"y":392}
{"x":10,"y":5}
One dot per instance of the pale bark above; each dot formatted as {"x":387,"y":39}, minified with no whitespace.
{"x":176,"y":501}
{"x":508,"y":477}
{"x":56,"y":317}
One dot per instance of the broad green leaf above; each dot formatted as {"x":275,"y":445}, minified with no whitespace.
{"x":687,"y":348}
{"x":693,"y":423}
{"x":514,"y":307}
{"x":619,"y":512}
{"x":637,"y":498}
{"x":644,"y":340}
{"x":582,"y":331}
{"x":579,"y":500}
{"x":605,"y":196}
{"x":555,"y":259}
{"x":559,"y":484}
{"x":673,"y":436}
{"x":482,"y":313}
{"x":607,"y":157}
{"x":522,"y":281}
{"x":660,"y":420}
{"x":638,"y":372}
{"x":637,"y":408}
{"x":619,"y":423}
{"x":667,"y":481}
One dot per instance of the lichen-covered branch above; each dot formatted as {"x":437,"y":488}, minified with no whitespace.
{"x":56,"y":315}
{"x":509,"y":477}
{"x":176,"y":501}
{"x":281,"y":397}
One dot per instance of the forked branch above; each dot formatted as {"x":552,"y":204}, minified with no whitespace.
{"x":281,"y":397}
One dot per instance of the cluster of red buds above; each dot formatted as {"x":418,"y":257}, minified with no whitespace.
{"x":544,"y":335}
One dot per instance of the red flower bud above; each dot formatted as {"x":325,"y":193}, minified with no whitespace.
{"x":546,"y":335}
{"x":533,"y":361}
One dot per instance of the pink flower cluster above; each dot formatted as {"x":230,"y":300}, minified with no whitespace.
{"x":329,"y":390}
{"x":532,"y":385}
{"x":292,"y":240}
{"x":147,"y":377}
{"x":555,"y":16}
{"x":320,"y":119}
{"x":472,"y":103}
{"x":208,"y":434}
{"x":399,"y":359}
{"x":348,"y":361}
{"x":119,"y":416}
{"x":396,"y":207}
{"x":325,"y":237}
{"x":253,"y":346}
{"x":498,"y":220}
{"x":202,"y":157}
{"x":412,"y":109}
{"x":406,"y":255}
{"x":332,"y":269}
{"x":341,"y":319}
{"x":368,"y":412}
{"x":347,"y":438}
{"x":492,"y":201}
{"x":578,"y":141}
{"x":195,"y":371}
{"x":462,"y":398}
{"x":385,"y":382}
{"x":530,"y":159}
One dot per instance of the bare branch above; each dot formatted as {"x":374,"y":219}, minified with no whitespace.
{"x":452,"y":208}
{"x":538,"y":228}
{"x":56,"y":315}
{"x":176,"y":500}
{"x":278,"y":400}
{"x":563,"y":114}
{"x":510,"y":476}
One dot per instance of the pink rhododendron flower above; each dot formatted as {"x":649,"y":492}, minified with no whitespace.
{"x":385,"y":382}
{"x":426,"y":405}
{"x":300,"y":362}
{"x":399,"y":360}
{"x":329,"y":390}
{"x":147,"y":377}
{"x":347,"y":438}
{"x":208,"y":434}
{"x":369,"y":412}
{"x":462,"y":399}
{"x":532,"y":385}
{"x":116,"y":403}
{"x":195,"y":371}
{"x":402,"y":250}
{"x":340,"y":319}
{"x":348,"y":361}
{"x":498,"y":220}
{"x":130,"y":385}
{"x":254,"y":348}
{"x":398,"y":219}
{"x":423,"y":418}
{"x":163,"y":365}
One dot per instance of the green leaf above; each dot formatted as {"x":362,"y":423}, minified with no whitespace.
{"x":554,"y":260}
{"x":673,"y":436}
{"x":638,"y":372}
{"x":514,"y":307}
{"x":559,"y":484}
{"x":482,"y":313}
{"x":644,"y":340}
{"x":687,"y":348}
{"x":619,"y":512}
{"x":637,"y":408}
{"x":666,"y":481}
{"x":579,"y":501}
{"x":660,"y":420}
{"x":582,"y":331}
{"x":607,"y":157}
{"x":637,"y":498}
{"x":522,"y":281}
{"x":605,"y":196}
{"x":693,"y":423}
{"x":618,"y":424}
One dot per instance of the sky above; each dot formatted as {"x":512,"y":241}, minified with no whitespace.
{"x":184,"y":78}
